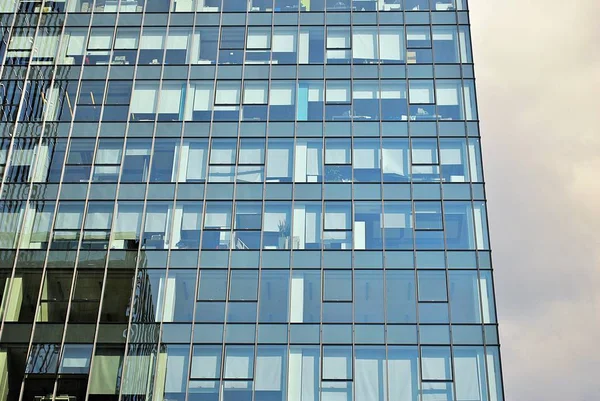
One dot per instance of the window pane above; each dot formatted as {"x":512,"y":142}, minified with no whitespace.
{"x":432,"y":286}
{"x":239,"y":362}
{"x":337,"y":363}
{"x":337,"y":285}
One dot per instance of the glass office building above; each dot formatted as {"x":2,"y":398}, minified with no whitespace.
{"x":242,"y":200}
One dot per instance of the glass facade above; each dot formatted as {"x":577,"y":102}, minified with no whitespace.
{"x":242,"y":200}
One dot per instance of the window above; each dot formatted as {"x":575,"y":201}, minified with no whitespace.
{"x":213,"y":285}
{"x":243,"y":285}
{"x":445,"y":44}
{"x":365,"y":44}
{"x":271,"y":367}
{"x":395,"y":160}
{"x":178,"y":43}
{"x":337,"y":363}
{"x":338,"y":92}
{"x":199,"y":102}
{"x":284,"y":45}
{"x":206,"y":362}
{"x":338,"y":45}
{"x":171,"y":101}
{"x":151,"y":46}
{"x":279,"y":160}
{"x":193,"y":160}
{"x":432,"y":286}
{"x":397,"y":225}
{"x":368,"y":296}
{"x":252,"y":151}
{"x":310,"y":101}
{"x":428,"y":216}
{"x":144,"y":101}
{"x":239,"y":362}
{"x":282,"y":101}
{"x":435,"y":363}
{"x":371,"y":374}
{"x":308,"y":160}
{"x":391,"y":44}
{"x":75,"y":359}
{"x":305,"y":290}
{"x":337,"y":285}
{"x":127,"y":228}
{"x":136,"y":162}
{"x":274,"y":296}
{"x":259,"y":38}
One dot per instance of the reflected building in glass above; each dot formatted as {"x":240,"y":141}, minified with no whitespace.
{"x":242,"y":200}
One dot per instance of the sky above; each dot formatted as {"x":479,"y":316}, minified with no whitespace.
{"x":537,"y":64}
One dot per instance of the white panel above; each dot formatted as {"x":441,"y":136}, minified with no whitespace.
{"x":100,"y":220}
{"x":268,"y":373}
{"x":401,"y":380}
{"x":479,"y":228}
{"x":338,"y":38}
{"x":128,"y":220}
{"x":420,"y":94}
{"x":335,"y":367}
{"x":156,"y":219}
{"x":315,"y":93}
{"x":76,"y":44}
{"x":108,"y":156}
{"x":451,"y":156}
{"x":396,"y":219}
{"x":393,"y":91}
{"x":196,"y":166}
{"x":297,"y":300}
{"x":205,"y":366}
{"x":422,"y":156}
{"x":170,"y":99}
{"x":284,"y":41}
{"x":337,"y":92}
{"x":100,"y":40}
{"x":170,"y":296}
{"x":259,"y":38}
{"x":300,"y":163}
{"x":178,"y":40}
{"x":21,"y":42}
{"x":192,"y":218}
{"x":368,"y":379}
{"x":255,"y":93}
{"x":467,"y":376}
{"x":144,"y":98}
{"x":176,"y":377}
{"x":360,"y":231}
{"x":447,"y":95}
{"x":228,"y":93}
{"x":278,"y":162}
{"x":203,"y":97}
{"x":391,"y":45}
{"x":237,"y":366}
{"x":152,"y":39}
{"x":45,"y":45}
{"x":365,"y":91}
{"x":127,"y":39}
{"x":366,"y":158}
{"x":364,"y":45}
{"x":282,"y":94}
{"x":337,"y":220}
{"x":417,"y":36}
{"x":303,"y":48}
{"x":437,"y":35}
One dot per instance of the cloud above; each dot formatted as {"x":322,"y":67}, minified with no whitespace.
{"x":537,"y":64}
